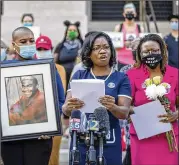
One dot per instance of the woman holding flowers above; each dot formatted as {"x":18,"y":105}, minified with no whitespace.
{"x":152,"y":79}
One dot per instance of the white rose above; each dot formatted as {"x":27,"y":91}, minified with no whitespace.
{"x":161,"y":90}
{"x":151,"y":92}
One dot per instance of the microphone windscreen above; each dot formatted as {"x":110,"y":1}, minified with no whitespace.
{"x":83,"y":126}
{"x":101,"y":115}
{"x":76,"y":114}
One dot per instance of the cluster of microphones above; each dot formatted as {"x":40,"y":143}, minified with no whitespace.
{"x":92,"y":133}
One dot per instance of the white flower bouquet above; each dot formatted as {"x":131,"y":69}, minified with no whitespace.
{"x":157,"y":90}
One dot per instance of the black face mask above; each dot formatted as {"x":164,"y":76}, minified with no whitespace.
{"x":130,"y":16}
{"x":152,"y":60}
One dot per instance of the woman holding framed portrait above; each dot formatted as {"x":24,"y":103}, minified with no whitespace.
{"x":32,"y":108}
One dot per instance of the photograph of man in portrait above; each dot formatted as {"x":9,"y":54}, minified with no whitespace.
{"x":26,"y":100}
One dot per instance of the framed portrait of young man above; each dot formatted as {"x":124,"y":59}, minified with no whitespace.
{"x":29,"y":100}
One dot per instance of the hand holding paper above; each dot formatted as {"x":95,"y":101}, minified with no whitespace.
{"x":89,"y":91}
{"x":107,"y":101}
{"x":146,"y":121}
{"x":74,"y":103}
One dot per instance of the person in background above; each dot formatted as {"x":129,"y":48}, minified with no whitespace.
{"x":27,"y":20}
{"x":66,"y":52}
{"x":7,"y":52}
{"x":172,"y":41}
{"x":43,"y":48}
{"x":31,"y":151}
{"x":98,"y":55}
{"x":79,"y":64}
{"x":44,"y":51}
{"x":130,"y":30}
{"x":124,"y":123}
{"x":152,"y":61}
{"x":133,"y":47}
{"x":3,"y":51}
{"x":11,"y":53}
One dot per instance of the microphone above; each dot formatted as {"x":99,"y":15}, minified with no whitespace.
{"x":83,"y":125}
{"x":101,"y":115}
{"x":83,"y":128}
{"x":75,"y":122}
{"x":93,"y":128}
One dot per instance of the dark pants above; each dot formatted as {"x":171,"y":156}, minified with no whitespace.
{"x":26,"y":152}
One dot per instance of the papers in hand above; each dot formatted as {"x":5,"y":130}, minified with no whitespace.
{"x":89,"y":91}
{"x":146,"y":121}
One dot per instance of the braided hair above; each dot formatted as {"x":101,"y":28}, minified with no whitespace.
{"x":88,"y":46}
{"x":163,"y":48}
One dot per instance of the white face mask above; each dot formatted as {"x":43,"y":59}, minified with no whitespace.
{"x":44,"y":54}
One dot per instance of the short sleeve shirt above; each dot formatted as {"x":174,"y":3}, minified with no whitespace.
{"x":116,"y":85}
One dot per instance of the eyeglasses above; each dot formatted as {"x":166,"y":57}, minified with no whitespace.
{"x":98,"y":48}
{"x":148,"y":52}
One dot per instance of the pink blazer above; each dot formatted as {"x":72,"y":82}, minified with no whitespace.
{"x":138,"y":75}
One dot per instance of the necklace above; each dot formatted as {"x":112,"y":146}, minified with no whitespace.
{"x":106,"y":77}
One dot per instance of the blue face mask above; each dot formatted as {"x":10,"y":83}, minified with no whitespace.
{"x":44,"y":54}
{"x":29,"y":24}
{"x":174,"y":25}
{"x":3,"y":54}
{"x":27,"y":52}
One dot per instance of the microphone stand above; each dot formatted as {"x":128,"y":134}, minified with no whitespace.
{"x":74,"y":153}
{"x":91,"y":153}
{"x":100,"y":159}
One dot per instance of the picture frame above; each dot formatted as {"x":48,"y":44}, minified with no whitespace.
{"x":29,"y":100}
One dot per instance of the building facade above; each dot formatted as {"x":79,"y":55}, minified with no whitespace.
{"x":93,"y":15}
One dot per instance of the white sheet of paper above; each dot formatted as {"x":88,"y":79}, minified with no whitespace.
{"x":147,"y":123}
{"x":117,"y":38}
{"x":89,"y":91}
{"x":36,"y":31}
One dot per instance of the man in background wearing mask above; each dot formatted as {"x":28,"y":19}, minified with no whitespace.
{"x":23,"y":44}
{"x":27,"y":20}
{"x":172,"y":41}
{"x":44,"y":51}
{"x":130,"y":30}
{"x":44,"y":47}
{"x":31,"y":151}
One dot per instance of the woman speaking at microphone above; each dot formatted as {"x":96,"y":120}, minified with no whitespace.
{"x":98,"y":56}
